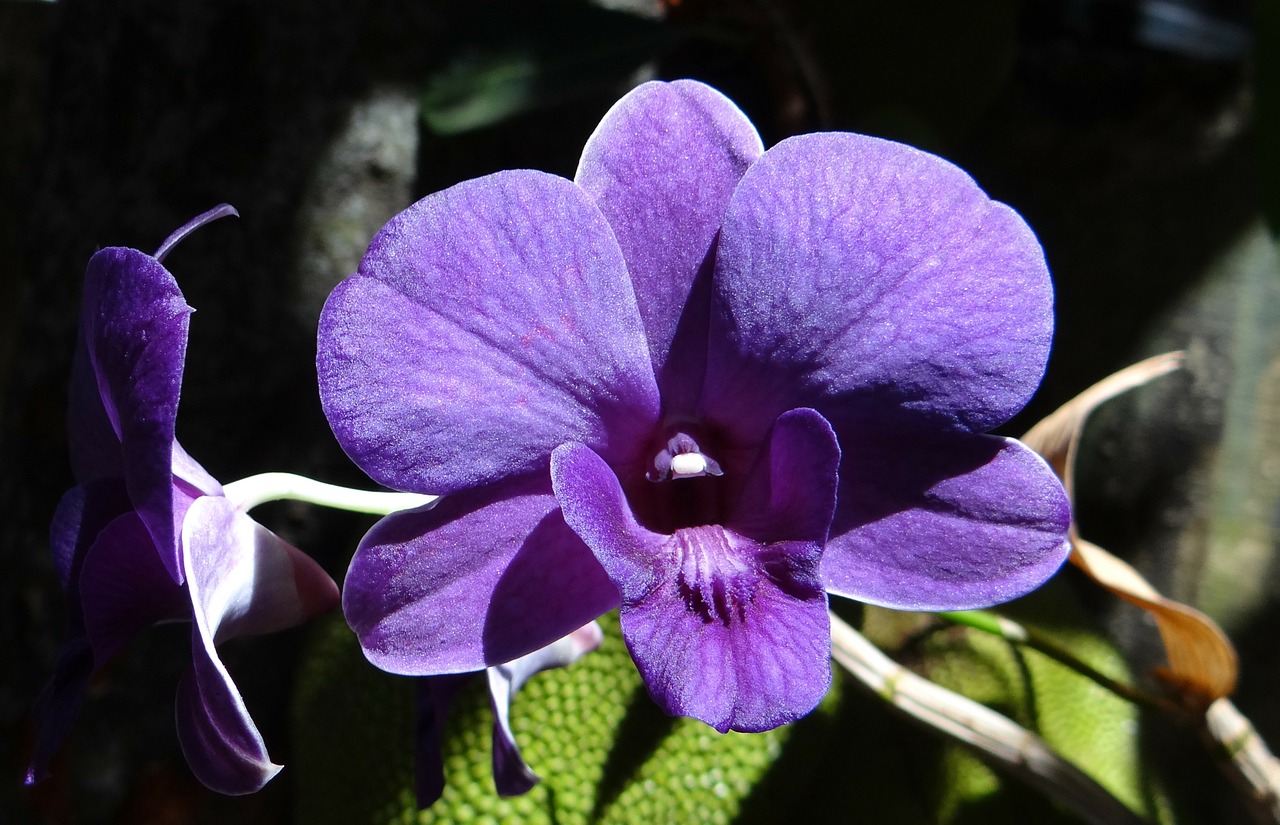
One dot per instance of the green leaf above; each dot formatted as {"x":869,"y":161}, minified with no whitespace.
{"x":526,"y":58}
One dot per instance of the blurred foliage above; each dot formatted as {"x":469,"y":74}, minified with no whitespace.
{"x":515,"y":57}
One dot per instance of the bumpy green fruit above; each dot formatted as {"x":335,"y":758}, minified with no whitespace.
{"x":606,"y":754}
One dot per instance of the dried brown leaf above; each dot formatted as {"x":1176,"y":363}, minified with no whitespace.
{"x":1057,"y":436}
{"x":1202,"y":662}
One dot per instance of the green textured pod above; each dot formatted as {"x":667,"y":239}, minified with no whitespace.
{"x":606,"y":754}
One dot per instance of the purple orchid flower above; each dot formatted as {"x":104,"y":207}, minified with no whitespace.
{"x":511,"y":774}
{"x":702,"y":381}
{"x":147,"y":535}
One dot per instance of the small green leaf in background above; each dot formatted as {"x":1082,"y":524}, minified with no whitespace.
{"x":531,"y":56}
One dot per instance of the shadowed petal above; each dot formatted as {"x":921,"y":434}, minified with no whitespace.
{"x":82,"y":515}
{"x":864,"y":277}
{"x":435,"y":694}
{"x":511,"y":775}
{"x":723,"y":628}
{"x":241,"y":579}
{"x":134,"y":322}
{"x":218,"y":737}
{"x":433,"y":697}
{"x":58,"y":704}
{"x":487,"y":324}
{"x":950,"y":524}
{"x":661,"y":166}
{"x":124,"y":588}
{"x":93,"y":443}
{"x":484,"y":577}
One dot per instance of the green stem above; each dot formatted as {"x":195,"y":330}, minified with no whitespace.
{"x":1014,"y":633}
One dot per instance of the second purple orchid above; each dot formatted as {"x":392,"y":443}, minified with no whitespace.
{"x":704,"y":382}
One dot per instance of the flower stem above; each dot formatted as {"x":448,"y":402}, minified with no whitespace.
{"x":254,"y":490}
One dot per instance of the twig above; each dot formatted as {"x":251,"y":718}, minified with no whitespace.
{"x":1245,"y":759}
{"x":993,"y":736}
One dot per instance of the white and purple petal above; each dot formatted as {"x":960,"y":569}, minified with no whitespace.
{"x":484,"y":577}
{"x":487,"y":324}
{"x":241,"y":579}
{"x":511,"y":774}
{"x":662,"y":166}
{"x":951,"y":523}
{"x":866,"y":278}
{"x":435,"y":694}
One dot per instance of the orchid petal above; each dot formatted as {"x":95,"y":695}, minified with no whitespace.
{"x":956,"y":523}
{"x":242,"y":579}
{"x":864,"y":277}
{"x":93,"y":443}
{"x":124,"y":587}
{"x":82,"y":513}
{"x":662,"y":165}
{"x":482,"y":578}
{"x":511,"y":774}
{"x":249,"y":580}
{"x":722,"y":627}
{"x":134,"y":322}
{"x":434,"y":696}
{"x":188,"y":471}
{"x":58,"y":704}
{"x":487,"y":324}
{"x":791,"y":494}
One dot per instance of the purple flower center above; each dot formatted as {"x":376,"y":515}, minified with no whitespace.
{"x":713,"y":580}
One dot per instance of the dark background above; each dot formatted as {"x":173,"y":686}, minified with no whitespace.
{"x":1141,"y":150}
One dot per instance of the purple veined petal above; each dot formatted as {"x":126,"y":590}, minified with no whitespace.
{"x":124,"y":588}
{"x":958,"y":523}
{"x":662,"y":165}
{"x":482,"y":578}
{"x":860,"y":276}
{"x":487,"y":324}
{"x":722,"y":628}
{"x":134,"y":322}
{"x":434,"y":696}
{"x":241,"y":579}
{"x":511,"y":774}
